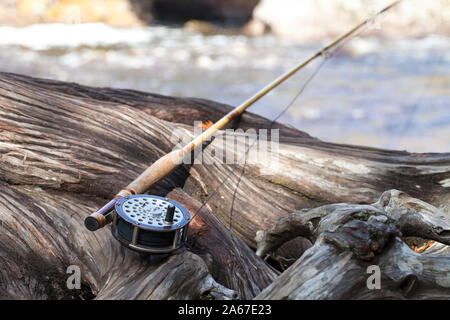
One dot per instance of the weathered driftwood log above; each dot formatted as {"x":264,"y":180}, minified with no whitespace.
{"x":230,"y":260}
{"x":65,"y":149}
{"x":42,"y":234}
{"x":352,"y":240}
{"x":100,"y":139}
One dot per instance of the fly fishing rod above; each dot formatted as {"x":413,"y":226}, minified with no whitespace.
{"x":152,"y":224}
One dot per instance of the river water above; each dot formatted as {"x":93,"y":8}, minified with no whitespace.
{"x":390,"y":94}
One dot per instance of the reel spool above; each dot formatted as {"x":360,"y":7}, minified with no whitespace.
{"x":150,"y":224}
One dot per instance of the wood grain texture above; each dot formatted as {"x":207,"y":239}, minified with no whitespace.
{"x":42,"y":234}
{"x":348,"y":239}
{"x":231,"y":262}
{"x":66,"y":150}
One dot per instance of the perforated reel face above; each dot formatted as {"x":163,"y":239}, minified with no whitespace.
{"x":149,"y":211}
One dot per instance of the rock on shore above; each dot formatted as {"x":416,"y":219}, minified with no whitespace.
{"x":26,"y":12}
{"x":124,"y":12}
{"x":298,"y":19}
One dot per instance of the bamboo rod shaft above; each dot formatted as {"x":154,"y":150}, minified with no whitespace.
{"x":241,"y":108}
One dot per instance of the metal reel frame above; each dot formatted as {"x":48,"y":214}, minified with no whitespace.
{"x":139,"y":223}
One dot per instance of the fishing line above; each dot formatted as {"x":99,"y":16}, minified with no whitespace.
{"x":254,"y":141}
{"x":308,"y":80}
{"x":326,"y":54}
{"x":143,"y":211}
{"x":411,"y":114}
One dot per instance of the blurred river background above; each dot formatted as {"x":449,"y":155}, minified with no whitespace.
{"x":386,"y":92}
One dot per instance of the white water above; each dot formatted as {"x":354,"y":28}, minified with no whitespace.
{"x":390,"y":94}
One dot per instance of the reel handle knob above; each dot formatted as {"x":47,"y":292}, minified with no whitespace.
{"x":170,"y":213}
{"x":94,"y":222}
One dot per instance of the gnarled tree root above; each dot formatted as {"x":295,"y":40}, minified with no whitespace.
{"x":353,"y":241}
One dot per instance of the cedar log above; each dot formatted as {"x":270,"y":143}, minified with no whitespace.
{"x":66,"y":149}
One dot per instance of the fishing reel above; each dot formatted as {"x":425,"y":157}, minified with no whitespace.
{"x":150,"y":224}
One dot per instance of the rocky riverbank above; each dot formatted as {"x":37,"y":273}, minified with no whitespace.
{"x":125,"y":12}
{"x":295,"y":19}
